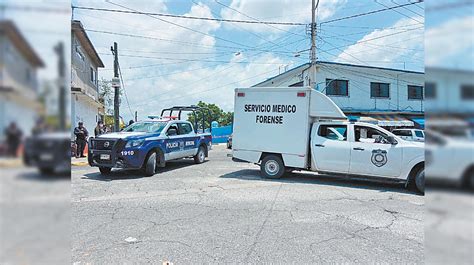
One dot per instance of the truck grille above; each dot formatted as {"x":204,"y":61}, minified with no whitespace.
{"x":103,"y":144}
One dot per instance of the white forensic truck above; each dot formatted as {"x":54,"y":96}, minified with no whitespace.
{"x":284,"y":129}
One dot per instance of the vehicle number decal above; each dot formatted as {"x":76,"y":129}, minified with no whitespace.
{"x":189,"y":143}
{"x":128,"y":153}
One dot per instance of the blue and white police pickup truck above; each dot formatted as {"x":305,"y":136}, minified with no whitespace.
{"x":149,"y":144}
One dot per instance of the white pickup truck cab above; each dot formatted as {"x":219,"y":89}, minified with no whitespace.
{"x":284,"y":129}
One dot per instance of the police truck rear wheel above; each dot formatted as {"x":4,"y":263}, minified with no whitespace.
{"x":150,"y":166}
{"x":105,"y":170}
{"x":272,"y":167}
{"x":200,"y":156}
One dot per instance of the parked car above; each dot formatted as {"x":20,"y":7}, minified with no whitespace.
{"x":284,"y":129}
{"x":416,"y":135}
{"x":229,"y":142}
{"x":149,"y":144}
{"x":50,"y":152}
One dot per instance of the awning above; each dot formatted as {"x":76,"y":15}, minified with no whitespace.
{"x":388,"y":120}
{"x":419,"y":121}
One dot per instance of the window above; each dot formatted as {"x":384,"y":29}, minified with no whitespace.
{"x":79,"y":53}
{"x":336,"y":87}
{"x":379,"y":90}
{"x":415,"y":92}
{"x":402,"y":132}
{"x":467,"y":92}
{"x":93,"y":75}
{"x":333,"y":132}
{"x":430,"y":90}
{"x":369,"y":135}
{"x":297,"y":84}
{"x":419,"y":134}
{"x":184,"y":128}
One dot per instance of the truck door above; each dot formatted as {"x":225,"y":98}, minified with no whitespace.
{"x":189,"y":137}
{"x":373,"y":155}
{"x":174,"y":143}
{"x":330,"y":149}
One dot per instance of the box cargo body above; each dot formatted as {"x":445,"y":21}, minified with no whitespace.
{"x":278,"y":120}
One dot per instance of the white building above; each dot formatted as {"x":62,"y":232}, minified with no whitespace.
{"x":85,"y":61}
{"x":449,"y":91}
{"x":389,"y":97}
{"x":18,"y":80}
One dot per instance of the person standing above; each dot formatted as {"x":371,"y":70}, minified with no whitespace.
{"x":100,"y":128}
{"x":13,"y":135}
{"x":81,"y":134}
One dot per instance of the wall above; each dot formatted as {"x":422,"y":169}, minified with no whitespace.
{"x":83,"y":109}
{"x":221,"y":134}
{"x":448,"y":90}
{"x":17,"y":72}
{"x":359,"y":98}
{"x":80,"y":70}
{"x":9,"y":111}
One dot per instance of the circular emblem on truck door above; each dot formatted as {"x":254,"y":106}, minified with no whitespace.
{"x":106,"y":144}
{"x":379,"y":157}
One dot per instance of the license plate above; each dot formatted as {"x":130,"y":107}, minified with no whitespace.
{"x":46,"y":157}
{"x":105,"y":157}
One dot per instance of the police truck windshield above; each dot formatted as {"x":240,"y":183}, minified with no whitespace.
{"x":148,"y":126}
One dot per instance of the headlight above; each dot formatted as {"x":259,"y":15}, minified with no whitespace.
{"x":134,"y":143}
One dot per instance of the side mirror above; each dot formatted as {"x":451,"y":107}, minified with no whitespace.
{"x":172,"y":132}
{"x":392,"y":140}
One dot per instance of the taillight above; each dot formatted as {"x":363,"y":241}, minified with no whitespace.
{"x":301,"y":94}
{"x":240,"y":94}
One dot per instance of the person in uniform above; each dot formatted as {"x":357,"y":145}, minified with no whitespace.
{"x":81,"y":134}
{"x":100,"y":129}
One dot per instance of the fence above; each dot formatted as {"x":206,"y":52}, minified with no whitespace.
{"x":221,"y":134}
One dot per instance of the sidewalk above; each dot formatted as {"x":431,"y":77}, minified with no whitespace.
{"x":79,"y":161}
{"x":10,"y":162}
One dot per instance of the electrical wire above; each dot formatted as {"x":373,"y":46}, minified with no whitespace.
{"x":124,"y":90}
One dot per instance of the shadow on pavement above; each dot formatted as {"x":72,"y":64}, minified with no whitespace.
{"x":329,"y":180}
{"x":124,"y":174}
{"x":37,"y":176}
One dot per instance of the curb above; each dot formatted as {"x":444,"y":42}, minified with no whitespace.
{"x":79,"y":163}
{"x":11,"y":163}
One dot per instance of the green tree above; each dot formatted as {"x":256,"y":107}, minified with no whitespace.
{"x":217,"y":114}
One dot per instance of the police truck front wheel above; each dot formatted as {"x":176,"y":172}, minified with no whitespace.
{"x":200,"y":156}
{"x":272,"y":167}
{"x":150,"y":166}
{"x":105,"y":170}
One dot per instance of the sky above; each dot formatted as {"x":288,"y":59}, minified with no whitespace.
{"x":173,"y":61}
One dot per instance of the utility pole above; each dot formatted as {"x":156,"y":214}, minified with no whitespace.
{"x":116,"y":86}
{"x":59,"y":50}
{"x":136,"y":116}
{"x":312,"y":79}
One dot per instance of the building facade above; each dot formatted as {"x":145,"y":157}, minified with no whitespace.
{"x":19,"y":87}
{"x":391,"y":97}
{"x":85,"y":104}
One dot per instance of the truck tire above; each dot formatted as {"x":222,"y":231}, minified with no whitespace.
{"x":105,"y":170}
{"x":150,"y":166}
{"x":272,"y":167}
{"x":419,"y":181}
{"x":46,"y":170}
{"x":200,"y":157}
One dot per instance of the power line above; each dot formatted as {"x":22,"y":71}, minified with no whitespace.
{"x":256,"y":20}
{"x":370,"y":12}
{"x":394,"y":10}
{"x":188,"y":17}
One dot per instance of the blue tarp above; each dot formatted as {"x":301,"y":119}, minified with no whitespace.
{"x":221,"y":134}
{"x":419,"y":121}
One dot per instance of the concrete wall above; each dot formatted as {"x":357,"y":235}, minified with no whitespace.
{"x":359,"y":98}
{"x":81,"y":69}
{"x":85,"y":110}
{"x":17,"y":72}
{"x":448,"y":90}
{"x":10,"y":112}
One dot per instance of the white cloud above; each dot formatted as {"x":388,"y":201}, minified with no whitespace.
{"x":403,"y":41}
{"x":284,"y":10}
{"x":449,"y":40}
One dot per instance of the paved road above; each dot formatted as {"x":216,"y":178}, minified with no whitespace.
{"x":222,"y":212}
{"x":34,"y":217}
